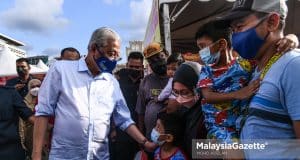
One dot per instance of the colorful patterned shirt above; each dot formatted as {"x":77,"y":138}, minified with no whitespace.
{"x":220,"y":119}
{"x":177,"y":155}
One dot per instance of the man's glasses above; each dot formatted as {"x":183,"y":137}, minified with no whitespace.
{"x":113,"y":55}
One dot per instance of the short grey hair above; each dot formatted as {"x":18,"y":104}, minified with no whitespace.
{"x":101,"y":35}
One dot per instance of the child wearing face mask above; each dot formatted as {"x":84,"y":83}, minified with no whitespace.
{"x":223,"y":83}
{"x":168,"y":134}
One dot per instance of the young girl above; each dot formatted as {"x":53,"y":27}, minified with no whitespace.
{"x":168,"y":134}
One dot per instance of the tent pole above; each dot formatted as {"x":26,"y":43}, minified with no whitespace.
{"x":167,"y":30}
{"x":180,"y":11}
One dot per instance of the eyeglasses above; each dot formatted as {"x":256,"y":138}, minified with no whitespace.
{"x":185,"y":93}
{"x":112,"y":54}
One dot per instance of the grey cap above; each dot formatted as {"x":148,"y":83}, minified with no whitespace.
{"x":242,"y":8}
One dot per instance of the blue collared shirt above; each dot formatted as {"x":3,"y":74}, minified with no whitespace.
{"x":82,"y":106}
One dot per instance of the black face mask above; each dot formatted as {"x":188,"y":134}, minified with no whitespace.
{"x":134,"y":74}
{"x":20,"y":71}
{"x":159,"y":68}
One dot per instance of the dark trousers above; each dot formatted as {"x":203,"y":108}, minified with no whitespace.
{"x":123,"y":150}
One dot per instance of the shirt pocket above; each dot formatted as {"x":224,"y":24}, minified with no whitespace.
{"x":100,"y":131}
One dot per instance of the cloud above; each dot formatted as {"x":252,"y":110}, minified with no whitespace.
{"x":35,"y":16}
{"x":51,"y":52}
{"x":139,"y":16}
{"x":108,"y":1}
{"x":111,"y":2}
{"x":27,"y":47}
{"x":140,"y":11}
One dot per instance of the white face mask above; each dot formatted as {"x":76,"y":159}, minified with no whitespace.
{"x":34,"y":91}
{"x":185,"y":101}
{"x":209,"y":58}
{"x":155,"y":137}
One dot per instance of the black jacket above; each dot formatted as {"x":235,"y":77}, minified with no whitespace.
{"x":12,"y":82}
{"x":11,"y":108}
{"x":194,"y":127}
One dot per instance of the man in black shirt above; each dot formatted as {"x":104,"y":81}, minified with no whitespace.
{"x":20,"y":83}
{"x":129,"y":79}
{"x":12,"y":107}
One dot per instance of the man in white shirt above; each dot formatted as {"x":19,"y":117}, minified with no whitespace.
{"x":83,"y":95}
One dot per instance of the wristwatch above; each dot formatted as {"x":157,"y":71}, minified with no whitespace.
{"x":144,"y":142}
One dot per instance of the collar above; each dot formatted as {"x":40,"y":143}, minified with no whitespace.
{"x":82,"y":67}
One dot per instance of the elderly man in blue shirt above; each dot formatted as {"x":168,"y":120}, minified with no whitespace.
{"x":83,"y":95}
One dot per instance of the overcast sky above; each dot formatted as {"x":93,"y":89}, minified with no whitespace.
{"x":47,"y":26}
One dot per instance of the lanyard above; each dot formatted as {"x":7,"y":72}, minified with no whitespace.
{"x":273,"y":59}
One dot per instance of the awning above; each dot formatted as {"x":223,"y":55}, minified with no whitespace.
{"x":198,"y":12}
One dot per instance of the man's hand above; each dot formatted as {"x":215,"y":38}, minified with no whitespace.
{"x":39,"y":132}
{"x":113,"y":135}
{"x":31,"y":119}
{"x":36,"y":156}
{"x":19,"y":86}
{"x":150,"y":146}
{"x":286,"y":43}
{"x":133,"y":131}
{"x":247,"y":91}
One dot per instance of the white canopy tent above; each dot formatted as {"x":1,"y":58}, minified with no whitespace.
{"x":8,"y":64}
{"x":39,"y":68}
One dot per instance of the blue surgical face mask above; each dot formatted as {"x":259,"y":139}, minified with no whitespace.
{"x":155,"y":137}
{"x":209,"y":58}
{"x":106,"y":65}
{"x":248,"y":43}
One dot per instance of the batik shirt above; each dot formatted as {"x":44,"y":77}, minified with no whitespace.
{"x":177,"y":155}
{"x":220,"y":119}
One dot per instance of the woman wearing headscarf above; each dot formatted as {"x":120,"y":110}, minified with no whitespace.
{"x":31,"y":101}
{"x":184,"y":89}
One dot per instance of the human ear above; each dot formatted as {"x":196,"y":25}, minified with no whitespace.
{"x":273,"y":22}
{"x":222,"y":44}
{"x":169,"y":138}
{"x":166,"y":137}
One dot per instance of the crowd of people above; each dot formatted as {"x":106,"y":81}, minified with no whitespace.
{"x":243,"y":87}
